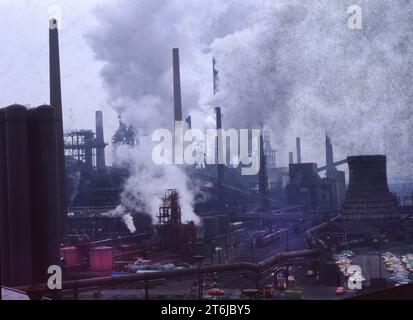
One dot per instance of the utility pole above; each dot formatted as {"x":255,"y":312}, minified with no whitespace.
{"x":199,"y":259}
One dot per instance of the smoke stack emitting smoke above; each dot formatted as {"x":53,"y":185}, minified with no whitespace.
{"x":295,"y":65}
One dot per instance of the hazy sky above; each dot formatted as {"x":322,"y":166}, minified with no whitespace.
{"x":24,"y":59}
{"x":294,"y":64}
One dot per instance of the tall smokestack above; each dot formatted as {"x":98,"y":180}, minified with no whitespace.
{"x":263,"y":176}
{"x":177,"y":86}
{"x":56,"y":102}
{"x":178,"y":128}
{"x":220,"y":152}
{"x":100,"y":143}
{"x":329,"y":156}
{"x":290,"y":157}
{"x":298,"y":144}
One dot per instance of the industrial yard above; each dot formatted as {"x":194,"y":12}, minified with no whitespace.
{"x":116,"y":226}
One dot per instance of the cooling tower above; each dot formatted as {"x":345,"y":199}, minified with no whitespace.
{"x":368,"y":195}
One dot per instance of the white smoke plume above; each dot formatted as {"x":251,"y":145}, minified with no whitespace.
{"x":135,"y":39}
{"x":125,"y":214}
{"x":301,"y":68}
{"x":293,"y":64}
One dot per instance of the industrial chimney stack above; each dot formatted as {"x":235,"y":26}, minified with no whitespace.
{"x":100,"y":143}
{"x":220,"y":152}
{"x":56,"y":102}
{"x":263,"y":177}
{"x":177,"y":85}
{"x":178,"y":126}
{"x":329,"y":157}
{"x":290,"y":158}
{"x":298,"y":144}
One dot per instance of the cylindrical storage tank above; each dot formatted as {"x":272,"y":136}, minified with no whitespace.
{"x":368,"y":195}
{"x":72,"y":257}
{"x":44,"y":191}
{"x":4,"y":220}
{"x":19,"y":201}
{"x":224,"y":224}
{"x":211,"y":227}
{"x":102,"y":260}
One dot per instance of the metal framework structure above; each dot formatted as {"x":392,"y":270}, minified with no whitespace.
{"x":80,"y":145}
{"x":269,"y":151}
{"x":170,"y":211}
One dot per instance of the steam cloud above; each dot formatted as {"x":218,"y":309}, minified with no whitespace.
{"x":294,"y":65}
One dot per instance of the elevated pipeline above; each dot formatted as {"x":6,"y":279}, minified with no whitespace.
{"x":256,"y":268}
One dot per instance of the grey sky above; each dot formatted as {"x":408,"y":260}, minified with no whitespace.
{"x":293,"y":63}
{"x":24,"y":59}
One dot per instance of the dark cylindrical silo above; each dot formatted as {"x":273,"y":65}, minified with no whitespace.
{"x":44,"y":190}
{"x":18,"y":182}
{"x":4,"y":220}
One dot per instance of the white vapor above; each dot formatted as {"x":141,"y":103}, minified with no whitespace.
{"x":293,"y":64}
